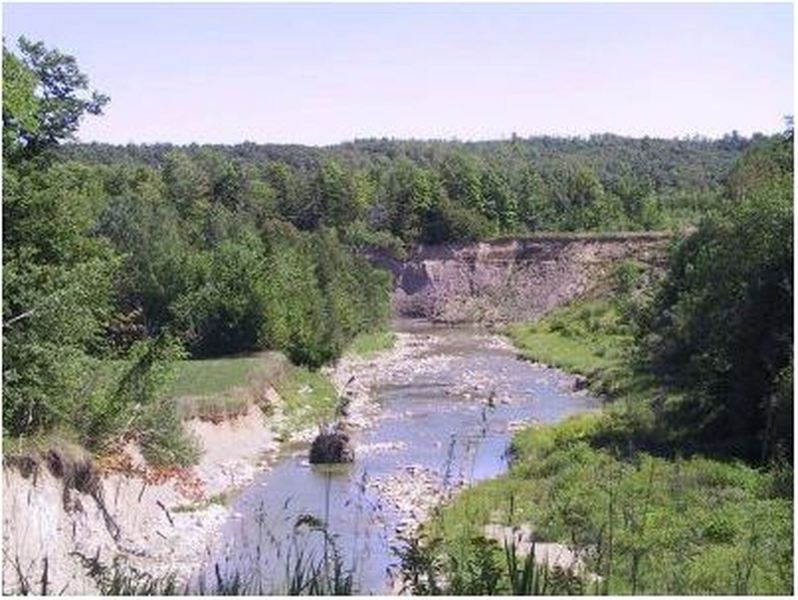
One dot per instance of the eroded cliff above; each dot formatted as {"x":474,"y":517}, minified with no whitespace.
{"x":510,"y":279}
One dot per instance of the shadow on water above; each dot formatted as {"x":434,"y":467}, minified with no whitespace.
{"x":453,"y":417}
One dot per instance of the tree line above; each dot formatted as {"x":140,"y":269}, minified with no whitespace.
{"x":400,"y":192}
{"x":719,"y":328}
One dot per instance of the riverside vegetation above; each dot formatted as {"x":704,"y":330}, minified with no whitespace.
{"x":124,"y":266}
{"x":683,"y":484}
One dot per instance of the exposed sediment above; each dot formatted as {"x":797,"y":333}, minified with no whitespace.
{"x":509,"y":279}
{"x":57,"y":528}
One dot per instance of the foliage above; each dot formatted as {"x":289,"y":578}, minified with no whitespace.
{"x":590,"y":338}
{"x":477,"y":566}
{"x":439,"y":191}
{"x":309,"y":398}
{"x":367,"y":345}
{"x":645,"y":524}
{"x":720,"y":327}
{"x":700,"y":361}
{"x":60,"y":98}
{"x":57,"y":289}
{"x":20,"y":104}
{"x":104,"y":264}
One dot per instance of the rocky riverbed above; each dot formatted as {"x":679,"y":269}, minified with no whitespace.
{"x":426,"y":418}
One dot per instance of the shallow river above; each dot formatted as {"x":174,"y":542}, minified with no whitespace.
{"x":446,"y":416}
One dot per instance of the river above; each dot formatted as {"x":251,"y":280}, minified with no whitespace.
{"x":444,"y":409}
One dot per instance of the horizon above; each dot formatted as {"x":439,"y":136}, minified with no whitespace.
{"x":581,"y":137}
{"x":330,"y":74}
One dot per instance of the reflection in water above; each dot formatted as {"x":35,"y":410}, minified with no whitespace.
{"x":447,"y":425}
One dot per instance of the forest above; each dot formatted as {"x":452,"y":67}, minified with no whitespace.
{"x":119,"y":260}
{"x":449,"y":191}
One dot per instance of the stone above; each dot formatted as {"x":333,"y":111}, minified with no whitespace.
{"x":331,"y":446}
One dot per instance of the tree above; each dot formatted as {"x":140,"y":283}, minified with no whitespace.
{"x":721,"y":324}
{"x":57,"y":291}
{"x":333,"y":199}
{"x":407,"y":194}
{"x":188,"y":186}
{"x":461,"y":180}
{"x":57,"y":285}
{"x":535,"y":209}
{"x":62,"y":99}
{"x":20,"y":105}
{"x":499,"y":201}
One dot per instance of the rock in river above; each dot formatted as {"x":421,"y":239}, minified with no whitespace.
{"x":331,"y":446}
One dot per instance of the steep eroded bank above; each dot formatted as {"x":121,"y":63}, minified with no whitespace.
{"x":64,"y":515}
{"x":512,"y":279}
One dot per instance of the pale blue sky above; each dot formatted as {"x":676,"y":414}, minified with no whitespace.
{"x":319,"y":74}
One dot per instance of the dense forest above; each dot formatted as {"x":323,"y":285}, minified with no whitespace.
{"x":436,"y":191}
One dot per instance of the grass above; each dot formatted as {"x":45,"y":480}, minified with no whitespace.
{"x":309,"y":398}
{"x":221,"y":388}
{"x":646,"y":522}
{"x":213,"y":376}
{"x":367,"y":345}
{"x":585,"y":338}
{"x":648,"y":525}
{"x":222,"y":499}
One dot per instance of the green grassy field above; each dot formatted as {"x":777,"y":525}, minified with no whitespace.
{"x":588,"y":338}
{"x":309,"y":398}
{"x":216,"y":375}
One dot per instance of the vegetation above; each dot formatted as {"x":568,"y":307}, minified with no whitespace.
{"x":218,"y":375}
{"x":683,"y":484}
{"x":588,"y":338}
{"x":388,"y":192}
{"x":114,"y":272}
{"x":308,"y":398}
{"x":719,"y":329}
{"x":368,"y":344}
{"x":644,"y":524}
{"x":219,"y":388}
{"x":144,"y":284}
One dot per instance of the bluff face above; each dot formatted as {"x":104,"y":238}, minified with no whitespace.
{"x":510,"y":279}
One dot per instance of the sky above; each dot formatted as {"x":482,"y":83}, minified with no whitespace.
{"x":325,"y":73}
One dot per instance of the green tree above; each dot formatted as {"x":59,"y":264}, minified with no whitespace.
{"x":333,"y":197}
{"x":223,"y":311}
{"x":57,"y":291}
{"x":535,"y":208}
{"x":63,"y":98}
{"x":721,"y":325}
{"x":462,"y":182}
{"x":499,"y":200}
{"x":20,"y":104}
{"x":407,"y":194}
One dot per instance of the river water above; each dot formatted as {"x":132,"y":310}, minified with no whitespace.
{"x":447,"y":412}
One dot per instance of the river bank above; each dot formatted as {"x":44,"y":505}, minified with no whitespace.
{"x":65,"y":514}
{"x":428,"y":416}
{"x":640,"y":515}
{"x":426,"y":419}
